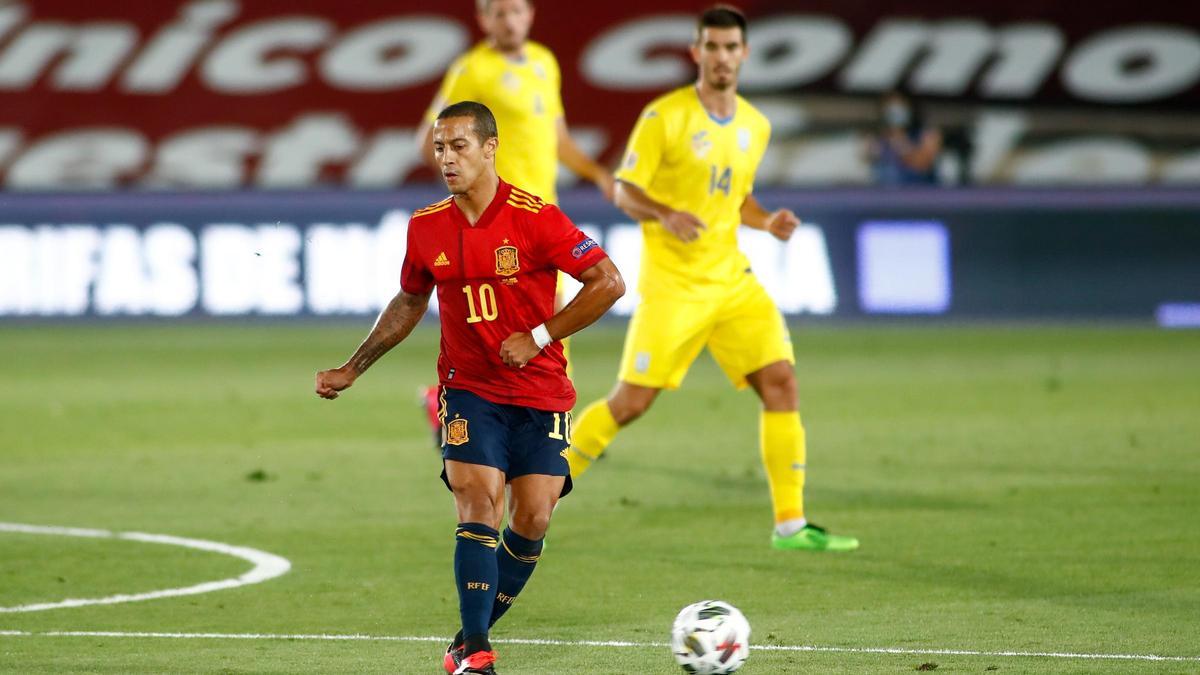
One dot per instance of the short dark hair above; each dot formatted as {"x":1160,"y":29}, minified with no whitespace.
{"x":721,"y":16}
{"x":483,"y":121}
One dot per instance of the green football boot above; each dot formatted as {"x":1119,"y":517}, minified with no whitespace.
{"x":813,"y":538}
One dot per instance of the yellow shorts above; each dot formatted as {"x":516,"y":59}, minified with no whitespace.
{"x":743,"y":330}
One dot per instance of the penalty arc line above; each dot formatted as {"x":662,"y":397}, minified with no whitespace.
{"x":266,"y":565}
{"x":904,"y":651}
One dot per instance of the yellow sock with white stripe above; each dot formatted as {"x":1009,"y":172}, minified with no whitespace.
{"x":593,"y":430}
{"x":781,"y":440}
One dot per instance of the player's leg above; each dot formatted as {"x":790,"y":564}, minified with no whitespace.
{"x":600,"y":421}
{"x":665,"y":336}
{"x":476,"y":462}
{"x":782,"y":443}
{"x":753,"y":347}
{"x":479,"y":500}
{"x":530,"y":503}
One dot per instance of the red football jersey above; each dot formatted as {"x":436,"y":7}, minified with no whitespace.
{"x":494,"y":279}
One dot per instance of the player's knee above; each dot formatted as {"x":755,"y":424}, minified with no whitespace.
{"x":777,"y":387}
{"x":627,"y":404}
{"x":477,"y":506}
{"x":531,"y":524}
{"x":625,"y":412}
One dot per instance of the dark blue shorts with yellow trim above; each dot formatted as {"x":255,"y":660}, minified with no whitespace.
{"x":515,"y":439}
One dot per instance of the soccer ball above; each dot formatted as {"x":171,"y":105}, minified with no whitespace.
{"x":710,"y":637}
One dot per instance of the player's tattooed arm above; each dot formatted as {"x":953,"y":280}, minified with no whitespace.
{"x":394,"y":324}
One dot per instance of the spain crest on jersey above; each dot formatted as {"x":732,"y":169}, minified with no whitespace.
{"x":456,"y":432}
{"x":507,"y":263}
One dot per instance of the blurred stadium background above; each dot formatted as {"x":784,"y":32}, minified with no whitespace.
{"x":225,"y":162}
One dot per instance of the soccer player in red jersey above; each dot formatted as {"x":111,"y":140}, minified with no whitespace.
{"x":493,"y":251}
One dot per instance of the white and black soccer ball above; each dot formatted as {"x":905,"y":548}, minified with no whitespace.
{"x":710,"y":637}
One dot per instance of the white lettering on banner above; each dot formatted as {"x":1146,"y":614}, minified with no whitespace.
{"x":171,"y":54}
{"x":623,"y":244}
{"x":625,"y":57}
{"x":248,"y":61}
{"x":10,"y":140}
{"x":250,"y":269}
{"x":1168,"y":62}
{"x":213,"y":157}
{"x":953,"y":53}
{"x":68,"y":270}
{"x":90,"y":55}
{"x":1185,"y":169}
{"x":17,"y":268}
{"x":797,"y":275}
{"x":95,"y":158}
{"x":821,"y":160}
{"x":170,"y":254}
{"x":396,"y":52}
{"x":389,"y":156}
{"x":793,"y":50}
{"x":122,"y":280}
{"x":355,"y":269}
{"x":393,"y":53}
{"x":1106,"y":160}
{"x":996,"y":134}
{"x":337,"y":280}
{"x":11,"y":14}
{"x":295,"y":156}
{"x":349,"y":268}
{"x":64,"y":267}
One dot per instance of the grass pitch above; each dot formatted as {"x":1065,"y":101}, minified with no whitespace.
{"x":1015,"y":489}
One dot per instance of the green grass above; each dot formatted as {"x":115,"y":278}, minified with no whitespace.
{"x":1025,"y":489}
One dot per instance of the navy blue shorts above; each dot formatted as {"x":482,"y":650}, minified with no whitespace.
{"x":517,"y":440}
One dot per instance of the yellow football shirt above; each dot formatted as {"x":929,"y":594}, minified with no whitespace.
{"x":683,"y":157}
{"x":525,"y":95}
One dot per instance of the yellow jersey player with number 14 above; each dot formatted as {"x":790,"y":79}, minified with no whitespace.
{"x":687,"y":176}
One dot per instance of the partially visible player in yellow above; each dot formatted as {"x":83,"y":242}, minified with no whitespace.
{"x":519,"y":80}
{"x":687,"y":176}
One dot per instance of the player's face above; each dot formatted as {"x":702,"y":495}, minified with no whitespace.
{"x":507,"y":23}
{"x":459,"y":153}
{"x":719,"y":52}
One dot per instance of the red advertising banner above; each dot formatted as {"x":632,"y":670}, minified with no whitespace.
{"x":218,"y":94}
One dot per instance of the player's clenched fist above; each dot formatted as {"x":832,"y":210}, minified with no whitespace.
{"x":330,"y":382}
{"x":782,"y":224}
{"x":518,"y":349}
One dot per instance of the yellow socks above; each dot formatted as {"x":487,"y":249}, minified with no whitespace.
{"x":783,"y":454}
{"x":592,"y":432}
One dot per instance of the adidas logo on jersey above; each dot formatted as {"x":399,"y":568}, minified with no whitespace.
{"x":442,"y":260}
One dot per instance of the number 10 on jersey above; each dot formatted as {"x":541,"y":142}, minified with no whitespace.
{"x":486,"y":309}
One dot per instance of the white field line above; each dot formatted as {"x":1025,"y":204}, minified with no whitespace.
{"x":598,"y":643}
{"x":266,"y":565}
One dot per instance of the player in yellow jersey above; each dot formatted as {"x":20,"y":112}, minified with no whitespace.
{"x":519,"y":80}
{"x":687,"y":176}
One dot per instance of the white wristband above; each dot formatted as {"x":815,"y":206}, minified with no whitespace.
{"x":541,"y":336}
